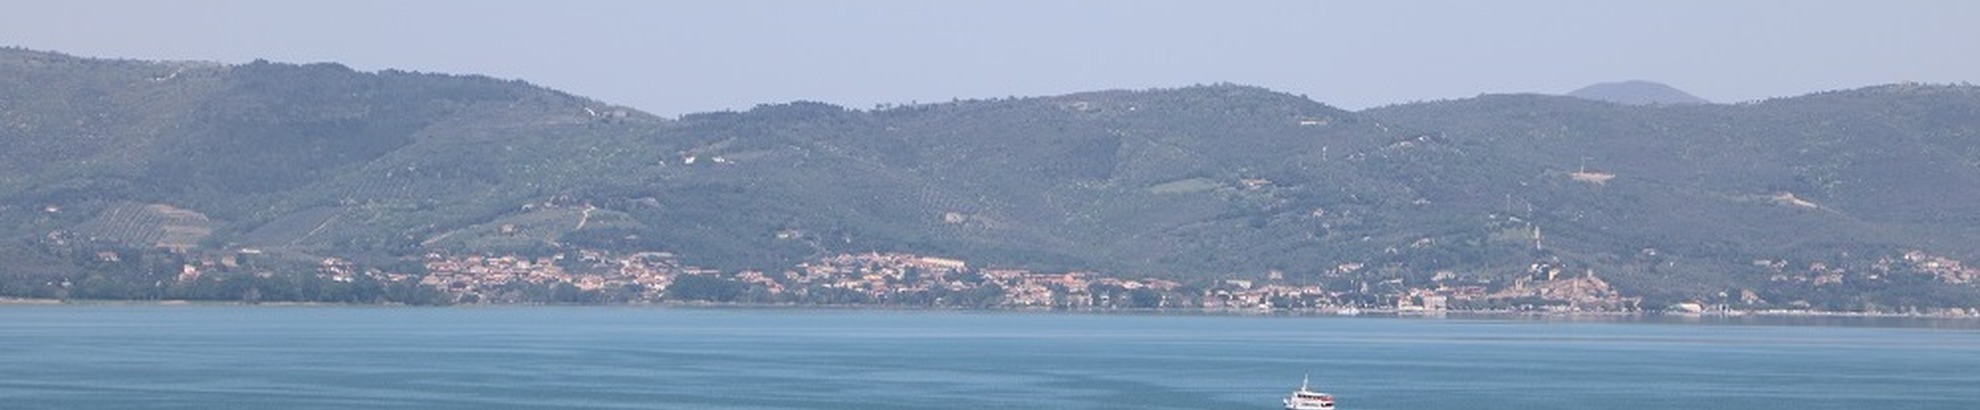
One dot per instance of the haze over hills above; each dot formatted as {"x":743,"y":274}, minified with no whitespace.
{"x":1637,"y":92}
{"x":1849,"y":200}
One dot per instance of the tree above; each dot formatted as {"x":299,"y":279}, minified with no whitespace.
{"x":1144,"y":298}
{"x":705,"y":288}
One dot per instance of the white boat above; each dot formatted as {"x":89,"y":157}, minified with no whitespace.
{"x":1307,"y":399}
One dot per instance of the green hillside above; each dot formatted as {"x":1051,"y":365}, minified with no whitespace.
{"x":286,"y":165}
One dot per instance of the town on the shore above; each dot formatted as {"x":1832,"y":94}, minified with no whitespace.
{"x":901,"y":279}
{"x":907,"y":280}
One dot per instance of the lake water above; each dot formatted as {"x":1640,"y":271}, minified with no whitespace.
{"x":234,"y":357}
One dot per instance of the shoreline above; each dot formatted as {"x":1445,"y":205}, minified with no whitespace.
{"x":1649,"y":317}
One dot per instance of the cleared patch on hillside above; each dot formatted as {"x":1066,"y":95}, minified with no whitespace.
{"x":1185,"y":186}
{"x":536,"y":226}
{"x":1592,"y":177}
{"x":158,"y":225}
{"x":293,"y":228}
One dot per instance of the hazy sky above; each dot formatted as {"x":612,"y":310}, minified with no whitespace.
{"x":671,"y":58}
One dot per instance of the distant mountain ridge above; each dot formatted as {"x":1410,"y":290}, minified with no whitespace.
{"x":1637,"y":92}
{"x":1854,"y":199}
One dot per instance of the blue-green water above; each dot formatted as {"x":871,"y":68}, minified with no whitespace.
{"x":221,"y":357}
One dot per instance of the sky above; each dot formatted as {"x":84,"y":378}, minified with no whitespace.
{"x":677,"y":57}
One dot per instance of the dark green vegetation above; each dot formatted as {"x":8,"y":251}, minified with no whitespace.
{"x":1810,"y":201}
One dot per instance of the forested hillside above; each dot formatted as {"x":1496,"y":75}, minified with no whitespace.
{"x":133,"y":174}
